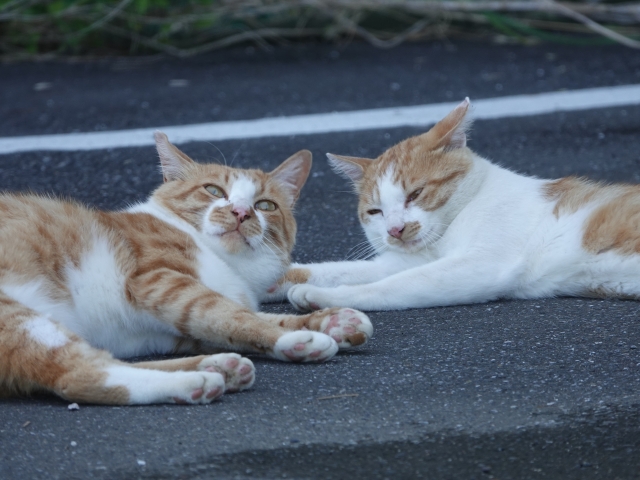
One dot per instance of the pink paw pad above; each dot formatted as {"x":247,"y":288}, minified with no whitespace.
{"x":292,"y":356}
{"x":305,"y":346}
{"x":232,"y":363}
{"x":196,"y":394}
{"x":214,"y":393}
{"x":348,"y":328}
{"x":237,"y":371}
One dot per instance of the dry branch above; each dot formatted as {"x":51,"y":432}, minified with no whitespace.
{"x":179,"y":30}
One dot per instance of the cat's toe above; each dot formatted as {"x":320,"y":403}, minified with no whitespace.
{"x":348,"y":327}
{"x":299,"y":297}
{"x":238,"y":371}
{"x":305,"y":346}
{"x":198,"y":387}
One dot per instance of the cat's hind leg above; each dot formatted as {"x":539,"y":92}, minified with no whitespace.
{"x":238,"y":371}
{"x":348,"y":327}
{"x":38,"y":354}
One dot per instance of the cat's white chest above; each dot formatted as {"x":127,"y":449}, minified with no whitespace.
{"x":219,"y":277}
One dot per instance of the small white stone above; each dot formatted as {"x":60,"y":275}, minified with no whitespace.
{"x":142,"y":463}
{"x":73,"y":406}
{"x":179,"y":82}
{"x":74,"y":444}
{"x":42,"y":86}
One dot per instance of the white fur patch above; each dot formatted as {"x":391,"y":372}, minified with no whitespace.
{"x":153,"y":386}
{"x":392,"y":198}
{"x":34,"y":295}
{"x":242,"y":192}
{"x":46,"y":332}
{"x":103,"y":316}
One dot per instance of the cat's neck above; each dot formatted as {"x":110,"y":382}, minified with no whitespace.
{"x":469,"y":187}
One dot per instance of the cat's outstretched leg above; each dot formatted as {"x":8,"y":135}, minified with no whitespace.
{"x":238,"y":372}
{"x":38,"y":354}
{"x":448,"y":281}
{"x":333,"y":274}
{"x":349,"y":328}
{"x":204,"y":314}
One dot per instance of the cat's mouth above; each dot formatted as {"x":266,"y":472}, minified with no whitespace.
{"x":236,"y":239}
{"x":410,"y":245}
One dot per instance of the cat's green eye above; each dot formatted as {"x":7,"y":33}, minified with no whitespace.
{"x":414,"y":195}
{"x":374,"y":211}
{"x":215,"y":191}
{"x":266,"y":206}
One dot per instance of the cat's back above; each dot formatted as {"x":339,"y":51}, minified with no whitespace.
{"x":72,"y":262}
{"x":609,"y":213}
{"x":588,"y":241}
{"x":38,"y":233}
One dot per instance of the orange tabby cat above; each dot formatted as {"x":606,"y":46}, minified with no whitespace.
{"x":181,"y":273}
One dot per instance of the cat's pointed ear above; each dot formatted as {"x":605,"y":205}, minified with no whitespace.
{"x":174,"y":163}
{"x":293,"y":173}
{"x":352,"y":168}
{"x":451,"y":132}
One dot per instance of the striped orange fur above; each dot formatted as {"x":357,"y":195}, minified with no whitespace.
{"x":184,"y":272}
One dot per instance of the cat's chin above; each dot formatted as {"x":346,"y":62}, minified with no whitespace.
{"x":234,"y":242}
{"x":411,"y":246}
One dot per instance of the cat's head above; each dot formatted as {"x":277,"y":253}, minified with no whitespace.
{"x":407,"y":194}
{"x":239,"y":210}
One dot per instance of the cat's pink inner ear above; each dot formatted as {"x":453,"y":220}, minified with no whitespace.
{"x":174,"y":163}
{"x":293,"y":172}
{"x":451,"y":131}
{"x":350,"y":167}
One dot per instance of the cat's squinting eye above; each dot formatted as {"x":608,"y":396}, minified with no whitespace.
{"x":414,"y":195}
{"x":266,"y":206}
{"x":215,"y":191}
{"x":374,"y":211}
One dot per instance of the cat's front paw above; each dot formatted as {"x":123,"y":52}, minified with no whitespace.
{"x":238,"y":371}
{"x":278,"y":291}
{"x":349,"y":328}
{"x":302,"y":298}
{"x":305,"y":346}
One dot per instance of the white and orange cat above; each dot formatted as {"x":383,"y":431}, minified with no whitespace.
{"x":180,"y":273}
{"x":449,"y":228}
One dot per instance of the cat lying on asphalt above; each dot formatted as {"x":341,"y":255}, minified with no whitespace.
{"x":449,"y":227}
{"x":180,"y":273}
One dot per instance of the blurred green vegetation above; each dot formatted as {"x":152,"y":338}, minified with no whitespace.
{"x":36,"y":28}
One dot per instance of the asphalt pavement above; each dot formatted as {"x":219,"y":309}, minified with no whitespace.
{"x":512,"y":389}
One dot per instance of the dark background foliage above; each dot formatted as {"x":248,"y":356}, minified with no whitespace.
{"x":37,"y":28}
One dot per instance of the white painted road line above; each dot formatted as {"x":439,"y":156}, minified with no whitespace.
{"x":415,"y":116}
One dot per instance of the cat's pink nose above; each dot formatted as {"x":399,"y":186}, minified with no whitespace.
{"x":396,"y":232}
{"x":240,"y":213}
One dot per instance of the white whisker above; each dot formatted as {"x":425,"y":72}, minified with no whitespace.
{"x":220,"y":151}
